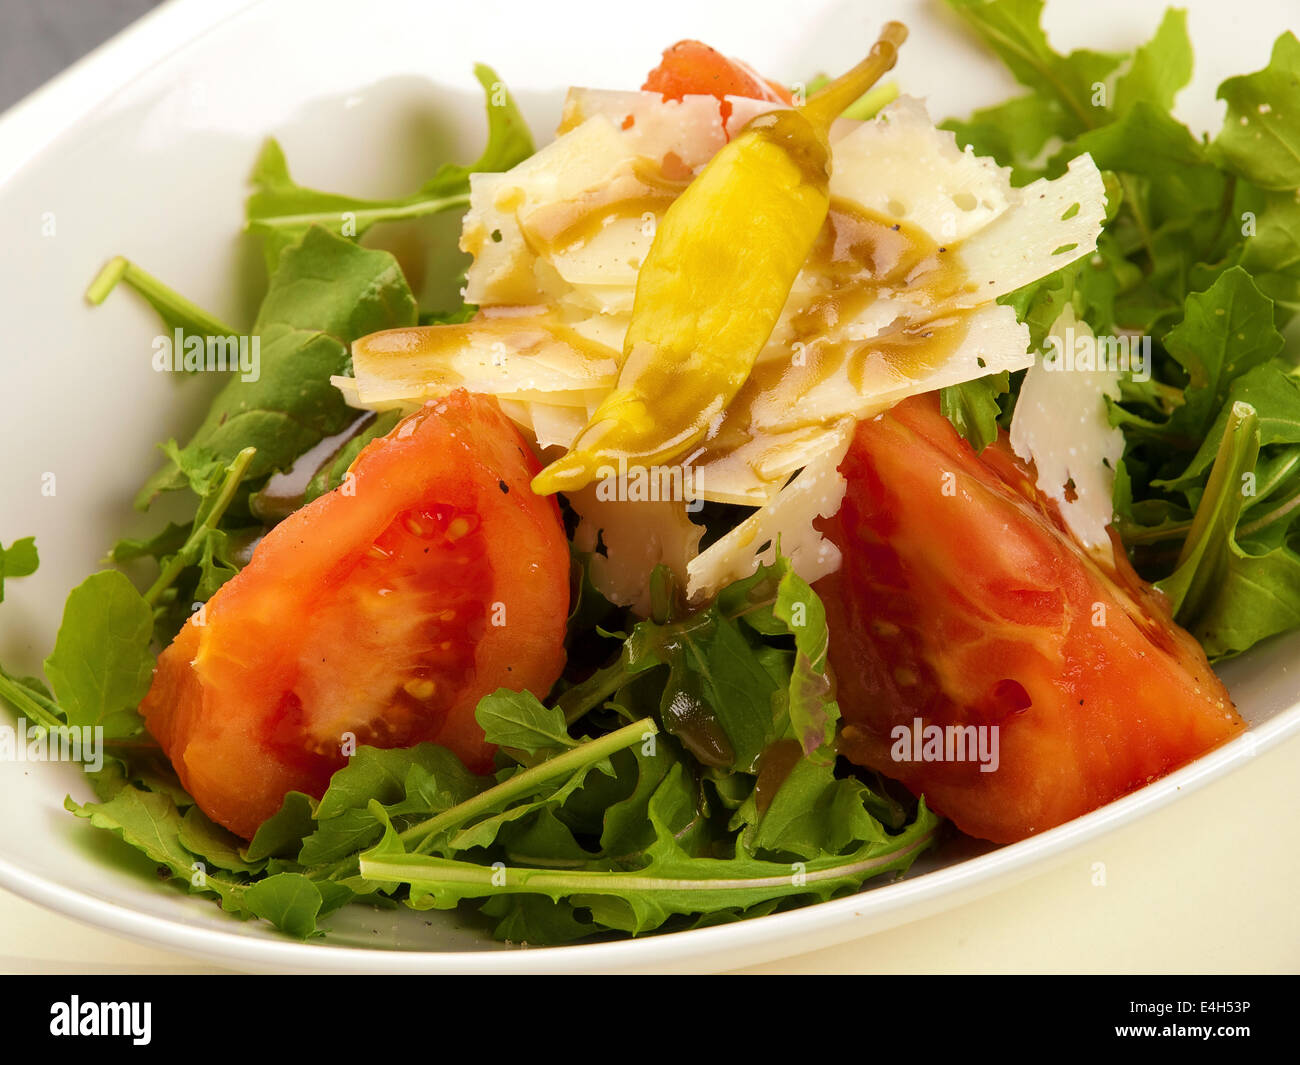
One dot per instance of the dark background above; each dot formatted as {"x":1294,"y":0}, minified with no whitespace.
{"x":38,"y":38}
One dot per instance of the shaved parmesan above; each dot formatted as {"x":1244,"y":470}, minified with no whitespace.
{"x":636,"y":538}
{"x":521,"y":358}
{"x":817,"y":491}
{"x":1053,"y":223}
{"x":1062,"y":423}
{"x":503,"y":272}
{"x":898,"y":300}
{"x":903,"y":167}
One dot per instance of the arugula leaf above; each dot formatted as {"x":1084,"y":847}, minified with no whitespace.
{"x":150,"y":822}
{"x":812,"y":710}
{"x":1160,"y":68}
{"x":205,"y":545}
{"x":289,"y":901}
{"x":281,"y":211}
{"x":101,"y":665}
{"x":381,"y":774}
{"x":1260,"y":139}
{"x":673,"y":881}
{"x":1272,"y":252}
{"x":1226,"y":331}
{"x":519,"y":720}
{"x":326,"y":293}
{"x":527,"y":919}
{"x":1203,"y":559}
{"x":1274,"y":395}
{"x":973,"y":409}
{"x":815,"y":815}
{"x":19,"y":559}
{"x":1230,"y":594}
{"x":281,"y":834}
{"x":213,"y":843}
{"x":1012,"y":28}
{"x":29,"y":697}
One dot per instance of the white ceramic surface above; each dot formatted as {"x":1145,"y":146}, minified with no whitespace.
{"x":143,"y":149}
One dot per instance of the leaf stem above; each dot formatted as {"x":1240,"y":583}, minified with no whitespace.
{"x":162,"y":298}
{"x":26,"y":704}
{"x":522,"y":783}
{"x":366,"y":216}
{"x":426,"y":869}
{"x":528,"y":781}
{"x":225,"y":495}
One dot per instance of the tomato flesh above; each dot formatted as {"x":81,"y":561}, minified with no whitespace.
{"x":378,"y":614}
{"x":963,"y":600}
{"x":692,"y":68}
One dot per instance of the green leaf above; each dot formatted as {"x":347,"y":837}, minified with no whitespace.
{"x":384,"y":775}
{"x":1204,"y":558}
{"x":339,"y":836}
{"x":207,"y":546}
{"x":672,"y":882}
{"x":166,"y":542}
{"x":281,"y":834}
{"x":1225,"y":332}
{"x":972,"y":407}
{"x":1272,"y":252}
{"x":813,"y":814}
{"x":326,"y":293}
{"x":811,"y":706}
{"x":19,"y":559}
{"x":1273,"y":394}
{"x":718,"y":701}
{"x":1160,"y":68}
{"x":289,"y":901}
{"x":150,"y":822}
{"x":1012,"y":29}
{"x":101,"y":665}
{"x":533,"y":919}
{"x":1260,"y":139}
{"x":213,"y":843}
{"x":519,"y":720}
{"x":281,"y":211}
{"x":1258,"y":597}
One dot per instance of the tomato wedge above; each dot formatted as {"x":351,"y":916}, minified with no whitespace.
{"x":963,"y":601}
{"x":382,"y":611}
{"x":691,"y":68}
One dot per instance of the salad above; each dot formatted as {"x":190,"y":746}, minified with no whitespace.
{"x":800,"y":483}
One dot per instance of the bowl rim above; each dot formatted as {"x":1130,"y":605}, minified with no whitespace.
{"x":855,"y":913}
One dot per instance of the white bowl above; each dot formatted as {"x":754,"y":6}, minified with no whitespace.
{"x":143,"y":149}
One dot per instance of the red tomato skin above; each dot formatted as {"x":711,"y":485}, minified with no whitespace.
{"x":225,"y":702}
{"x":962,"y":601}
{"x":692,"y":68}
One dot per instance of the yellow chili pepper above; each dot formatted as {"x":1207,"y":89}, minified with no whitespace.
{"x":715,"y":280}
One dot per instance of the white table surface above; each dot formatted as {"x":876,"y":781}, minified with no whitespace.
{"x":1207,"y":884}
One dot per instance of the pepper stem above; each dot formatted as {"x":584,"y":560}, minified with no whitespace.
{"x":826,"y":105}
